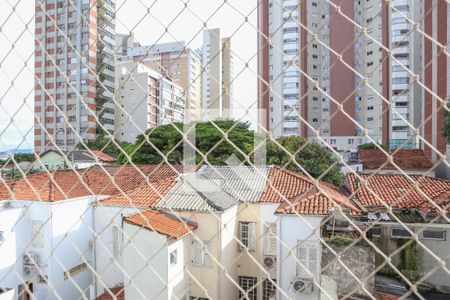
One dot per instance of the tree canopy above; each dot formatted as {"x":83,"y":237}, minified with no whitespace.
{"x":104,"y":144}
{"x":447,"y":125}
{"x":166,"y":143}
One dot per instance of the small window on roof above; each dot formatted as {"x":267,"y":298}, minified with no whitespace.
{"x":376,"y":230}
{"x":433,"y":235}
{"x":400,"y":233}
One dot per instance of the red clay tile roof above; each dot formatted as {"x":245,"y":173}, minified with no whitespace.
{"x":317,"y":201}
{"x":284,"y":184}
{"x":403,"y":158}
{"x":118,"y":292}
{"x":102,"y":156}
{"x":398,"y":191}
{"x":66,"y":184}
{"x":145,"y":196}
{"x":5,"y":187}
{"x":162,"y":223}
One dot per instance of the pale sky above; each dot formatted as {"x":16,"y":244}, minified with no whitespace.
{"x":147,"y":19}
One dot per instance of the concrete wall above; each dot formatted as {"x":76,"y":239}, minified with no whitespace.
{"x":146,"y":257}
{"x":106,"y":265}
{"x":308,"y":232}
{"x":424,"y":254}
{"x":59,"y":233}
{"x":359,"y":262}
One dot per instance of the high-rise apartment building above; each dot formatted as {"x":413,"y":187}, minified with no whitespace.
{"x":217,"y":86}
{"x":145,"y":99}
{"x":74,"y":67}
{"x":173,"y":60}
{"x":352,"y":71}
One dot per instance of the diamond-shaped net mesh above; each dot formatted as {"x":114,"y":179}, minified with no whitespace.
{"x":187,"y":149}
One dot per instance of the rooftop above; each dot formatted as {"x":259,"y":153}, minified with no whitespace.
{"x":403,"y":158}
{"x":161,"y":222}
{"x":116,"y":293}
{"x":398,"y":191}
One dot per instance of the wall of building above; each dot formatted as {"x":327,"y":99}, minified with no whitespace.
{"x":308,"y":232}
{"x":106,"y":265}
{"x":146,"y":257}
{"x":423,"y":257}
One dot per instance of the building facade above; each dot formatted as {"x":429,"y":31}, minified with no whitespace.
{"x":217,"y":65}
{"x":173,"y":60}
{"x":74,"y":71}
{"x":145,"y":99}
{"x":350,"y":73}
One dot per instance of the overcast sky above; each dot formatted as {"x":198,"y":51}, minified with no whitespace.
{"x":147,"y":19}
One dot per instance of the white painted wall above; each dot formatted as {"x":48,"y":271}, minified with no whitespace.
{"x":146,"y":260}
{"x":291,"y":229}
{"x":107,"y":267}
{"x":228,"y":253}
{"x":62,"y":243}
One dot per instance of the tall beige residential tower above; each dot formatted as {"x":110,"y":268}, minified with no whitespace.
{"x":217,"y":79}
{"x":74,"y":68}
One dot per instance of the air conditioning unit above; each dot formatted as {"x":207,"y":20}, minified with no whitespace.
{"x":28,"y":270}
{"x":31,"y":259}
{"x":270,"y":261}
{"x":302,"y":285}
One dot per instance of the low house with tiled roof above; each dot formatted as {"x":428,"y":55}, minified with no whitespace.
{"x":409,"y":161}
{"x":163,"y":241}
{"x":409,"y":213}
{"x":78,"y":159}
{"x":48,"y":209}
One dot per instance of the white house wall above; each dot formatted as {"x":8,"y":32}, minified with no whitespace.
{"x":293,"y":228}
{"x":229,"y":252}
{"x":105,"y":218}
{"x":145,"y":257}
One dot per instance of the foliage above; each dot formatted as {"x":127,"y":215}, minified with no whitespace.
{"x":105,"y":145}
{"x":340,"y":240}
{"x":447,"y":124}
{"x":372,"y":146}
{"x":314,"y":158}
{"x":166,"y":142}
{"x":20,"y":157}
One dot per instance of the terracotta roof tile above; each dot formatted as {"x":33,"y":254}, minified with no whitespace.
{"x":144,"y":196}
{"x":66,"y":184}
{"x":160,"y":222}
{"x":398,"y":191}
{"x":317,"y":201}
{"x":103,"y":156}
{"x":403,"y":158}
{"x":118,"y":292}
{"x":284,"y":184}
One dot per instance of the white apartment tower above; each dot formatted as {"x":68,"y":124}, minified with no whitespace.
{"x":217,"y":87}
{"x":145,"y":99}
{"x":74,"y":68}
{"x":174,"y":60}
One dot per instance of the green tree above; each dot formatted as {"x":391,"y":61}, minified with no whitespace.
{"x":447,"y":124}
{"x":166,"y":142}
{"x":20,"y":157}
{"x":105,"y":145}
{"x":371,"y":146}
{"x":314,"y":158}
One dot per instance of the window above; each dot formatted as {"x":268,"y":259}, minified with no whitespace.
{"x":270,"y":239}
{"x":376,"y":231}
{"x":433,"y":235}
{"x":400,"y":233}
{"x":117,"y":242}
{"x":307,"y":256}
{"x":248,"y":284}
{"x":200,"y":254}
{"x":173,"y":257}
{"x":247,"y":235}
{"x":268,"y":289}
